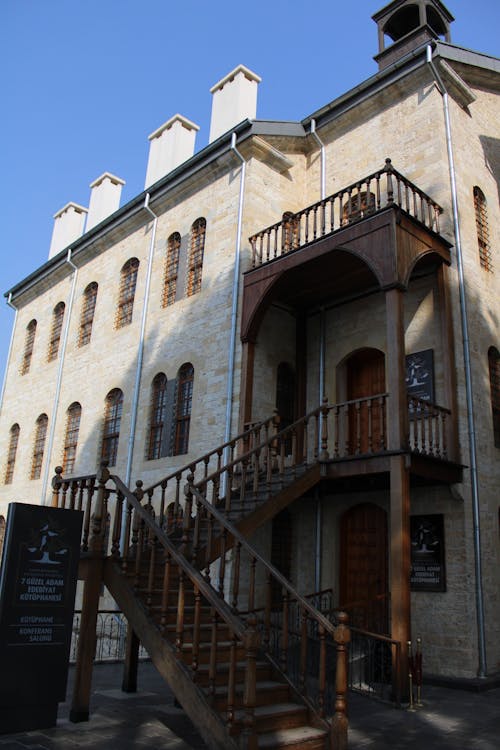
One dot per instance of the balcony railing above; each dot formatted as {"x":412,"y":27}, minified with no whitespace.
{"x":357,"y":201}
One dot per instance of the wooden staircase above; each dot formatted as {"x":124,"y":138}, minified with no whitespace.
{"x":198,"y":597}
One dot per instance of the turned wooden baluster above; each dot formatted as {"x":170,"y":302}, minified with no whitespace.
{"x":179,"y":627}
{"x":97,"y":521}
{"x":284,"y":632}
{"x":303,"y":651}
{"x":212,"y":664}
{"x":323,"y":456}
{"x":236,"y":575}
{"x":196,"y":633}
{"x":251,"y":643}
{"x":117,"y":526}
{"x":165,"y":591}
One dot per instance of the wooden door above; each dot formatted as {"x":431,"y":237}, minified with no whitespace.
{"x":365,"y":377}
{"x":363,"y":566}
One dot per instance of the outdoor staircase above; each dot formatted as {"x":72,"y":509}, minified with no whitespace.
{"x":198,"y":597}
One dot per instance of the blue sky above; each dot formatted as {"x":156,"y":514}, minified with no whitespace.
{"x":84,"y":82}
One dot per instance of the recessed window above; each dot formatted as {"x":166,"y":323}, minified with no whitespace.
{"x":158,"y":442}
{"x":185,"y":378}
{"x":128,"y":281}
{"x":28,"y":347}
{"x":196,"y":251}
{"x":55,"y":335}
{"x":482,"y":229}
{"x":39,"y":446}
{"x":11,"y":453}
{"x":111,"y":428}
{"x":171,"y":269}
{"x":73,"y":418}
{"x":494,"y":367}
{"x":88,"y":310}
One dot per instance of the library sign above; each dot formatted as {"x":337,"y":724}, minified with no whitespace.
{"x":37,"y":596}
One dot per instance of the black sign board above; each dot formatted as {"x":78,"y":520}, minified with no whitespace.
{"x":420,"y":375}
{"x":427,"y":553}
{"x":37,"y":596}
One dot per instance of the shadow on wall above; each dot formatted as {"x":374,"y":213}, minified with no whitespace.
{"x":491,"y":150}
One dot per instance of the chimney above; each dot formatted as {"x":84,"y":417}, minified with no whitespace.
{"x":234,"y":99}
{"x":104,"y":198}
{"x":170,"y":145}
{"x":68,"y":226}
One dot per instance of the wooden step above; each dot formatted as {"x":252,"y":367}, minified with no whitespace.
{"x":268,"y":692}
{"x":276,"y":716}
{"x":300,"y":738}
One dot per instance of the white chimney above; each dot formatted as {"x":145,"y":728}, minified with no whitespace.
{"x":104,"y":198}
{"x":170,"y":146}
{"x":234,"y":99}
{"x":68,"y":226}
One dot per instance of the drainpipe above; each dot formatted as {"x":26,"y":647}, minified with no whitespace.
{"x":140,"y":348}
{"x":468,"y":374}
{"x":10,"y":304}
{"x":60,"y":367}
{"x":322,"y":353}
{"x":234,"y":309}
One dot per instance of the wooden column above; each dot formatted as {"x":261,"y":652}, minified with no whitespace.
{"x":246,"y":388}
{"x":301,"y":374}
{"x":448,"y":360}
{"x":130,"y":666}
{"x":397,"y":431}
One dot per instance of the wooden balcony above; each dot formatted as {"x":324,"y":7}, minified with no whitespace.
{"x":363,"y":198}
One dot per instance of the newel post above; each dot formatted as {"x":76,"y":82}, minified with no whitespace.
{"x":56,"y":486}
{"x":90,"y":604}
{"x":323,"y":454}
{"x":251,"y":642}
{"x":390,"y":189}
{"x":340,"y":723}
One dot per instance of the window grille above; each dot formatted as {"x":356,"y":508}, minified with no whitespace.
{"x":11,"y":453}
{"x":111,"y":427}
{"x":39,"y":447}
{"x":55,"y":336}
{"x":197,"y":248}
{"x":74,"y":414}
{"x":88,"y":310}
{"x":156,"y":443}
{"x":494,"y":367}
{"x":28,"y":347}
{"x":185,"y":378}
{"x":171,"y":269}
{"x":482,"y":229}
{"x":128,"y":283}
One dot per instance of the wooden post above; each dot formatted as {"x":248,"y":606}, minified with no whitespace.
{"x":249,"y":737}
{"x":90,"y":606}
{"x":340,"y":723}
{"x":56,"y":486}
{"x":129,"y":681}
{"x":397,"y":439}
{"x":449,"y":369}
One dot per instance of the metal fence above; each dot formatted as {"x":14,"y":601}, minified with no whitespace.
{"x":111,"y":631}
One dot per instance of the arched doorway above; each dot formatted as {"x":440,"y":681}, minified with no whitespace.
{"x":363,"y":590}
{"x":365,"y":376}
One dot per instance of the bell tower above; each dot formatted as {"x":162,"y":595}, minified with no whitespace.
{"x":408,"y":24}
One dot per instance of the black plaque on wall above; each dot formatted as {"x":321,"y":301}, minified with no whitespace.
{"x":420,"y":375}
{"x":37,"y":595}
{"x":427,"y":553}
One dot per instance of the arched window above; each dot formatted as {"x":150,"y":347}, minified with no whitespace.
{"x":185,"y":378}
{"x":74,"y":415}
{"x":494,"y":367}
{"x":196,"y":256}
{"x":39,"y":446}
{"x":88,"y":309}
{"x":482,"y":229}
{"x":128,"y":281}
{"x":158,"y":438}
{"x":358,"y":206}
{"x":289,"y":232}
{"x":11,"y":453}
{"x":28,"y":347}
{"x":111,"y":427}
{"x":55,"y":335}
{"x":171,"y":269}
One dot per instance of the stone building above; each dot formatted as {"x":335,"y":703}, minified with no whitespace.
{"x":348,"y":260}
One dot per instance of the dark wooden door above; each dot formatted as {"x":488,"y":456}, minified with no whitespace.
{"x":363,"y":566}
{"x":365,"y":377}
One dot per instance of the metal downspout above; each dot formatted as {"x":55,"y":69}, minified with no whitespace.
{"x":11,"y":342}
{"x":234,"y":307}
{"x":468,"y":375}
{"x":57,"y":394}
{"x":140,"y":348}
{"x":322,"y":355}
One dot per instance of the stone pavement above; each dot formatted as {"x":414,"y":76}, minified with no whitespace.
{"x":449,"y":720}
